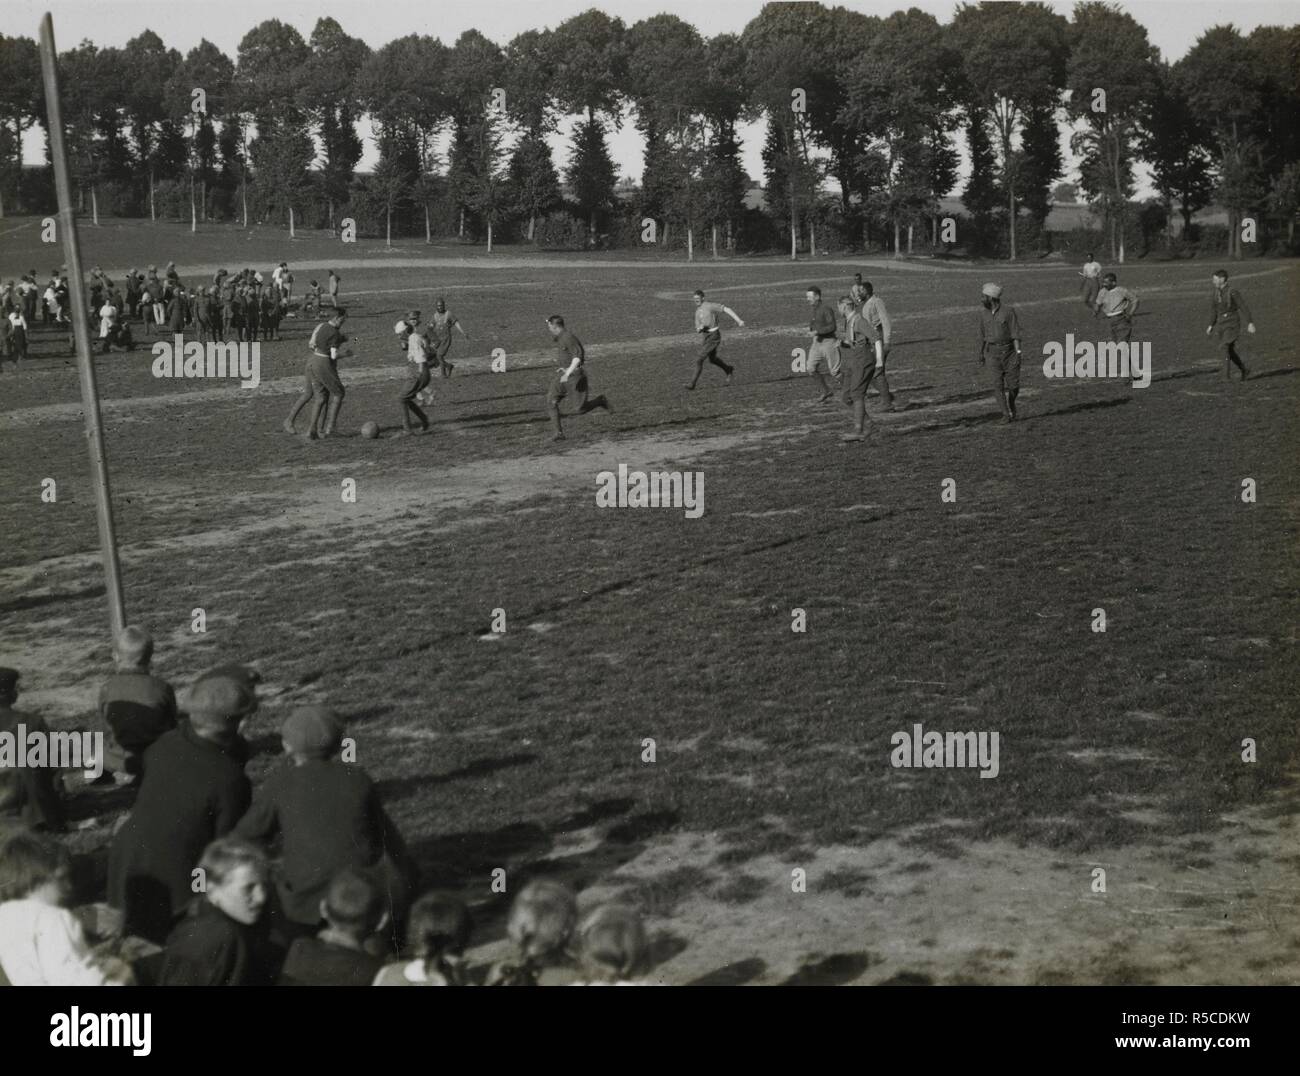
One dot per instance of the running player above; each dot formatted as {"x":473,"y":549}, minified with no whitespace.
{"x":438,"y":335}
{"x":568,"y":348}
{"x":706,"y":322}
{"x":417,"y":381}
{"x":1227,"y":308}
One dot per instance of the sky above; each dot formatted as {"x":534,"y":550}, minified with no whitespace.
{"x":1172,"y":25}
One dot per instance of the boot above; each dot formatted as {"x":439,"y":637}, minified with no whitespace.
{"x":1007,"y":416}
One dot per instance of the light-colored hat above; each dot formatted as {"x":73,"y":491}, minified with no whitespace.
{"x":993,"y":291}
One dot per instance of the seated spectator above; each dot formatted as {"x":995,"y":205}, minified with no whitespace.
{"x":29,"y":795}
{"x":353,"y":910}
{"x":194,"y":791}
{"x":137,"y":706}
{"x":541,"y":923}
{"x":437,"y":932}
{"x":326,"y":816}
{"x":41,"y":942}
{"x":611,"y":946}
{"x":218,"y":943}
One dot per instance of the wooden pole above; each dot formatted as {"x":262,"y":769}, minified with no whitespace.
{"x":81,"y":331}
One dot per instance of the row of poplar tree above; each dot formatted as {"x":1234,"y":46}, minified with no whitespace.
{"x":863,"y":116}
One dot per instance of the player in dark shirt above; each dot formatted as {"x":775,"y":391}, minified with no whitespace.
{"x":569,"y":350}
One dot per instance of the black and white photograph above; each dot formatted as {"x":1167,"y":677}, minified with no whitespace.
{"x":653,"y":493}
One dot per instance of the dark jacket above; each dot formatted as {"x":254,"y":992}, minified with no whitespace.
{"x":208,"y":948}
{"x":327,"y":817}
{"x":193,"y":792}
{"x":313,"y":962}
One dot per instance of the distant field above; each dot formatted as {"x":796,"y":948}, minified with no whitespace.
{"x":523,"y":750}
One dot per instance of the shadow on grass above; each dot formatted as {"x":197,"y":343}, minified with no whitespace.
{"x":41,"y":600}
{"x":737,"y":974}
{"x":834,"y":970}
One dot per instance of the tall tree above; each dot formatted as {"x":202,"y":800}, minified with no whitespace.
{"x":1223,"y":83}
{"x":665,"y":59}
{"x":270,"y":64}
{"x":590,"y":74}
{"x":473,"y":72}
{"x":725,"y":93}
{"x":150,"y":65}
{"x":1013,"y":60}
{"x":210,"y":70}
{"x":402,"y":86}
{"x":327,"y":93}
{"x":898,"y":101}
{"x":1175,"y":141}
{"x":21,"y":104}
{"x":1113,"y":73}
{"x":529,"y":73}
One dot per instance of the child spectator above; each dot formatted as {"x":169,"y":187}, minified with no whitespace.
{"x":270,"y":312}
{"x":540,"y":925}
{"x":217,"y":943}
{"x":193,"y":792}
{"x":16,"y":344}
{"x":437,"y":933}
{"x":611,"y":945}
{"x":353,"y":910}
{"x":29,"y":795}
{"x":136,"y":706}
{"x":327,"y":817}
{"x":41,"y":942}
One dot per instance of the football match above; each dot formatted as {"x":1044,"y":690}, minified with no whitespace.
{"x":780,"y":495}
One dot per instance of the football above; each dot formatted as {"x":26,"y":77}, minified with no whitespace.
{"x":370,"y":431}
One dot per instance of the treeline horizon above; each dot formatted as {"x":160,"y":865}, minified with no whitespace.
{"x":874,"y":104}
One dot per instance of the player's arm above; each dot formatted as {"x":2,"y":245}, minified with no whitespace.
{"x":1133,"y":302}
{"x":573,"y":366}
{"x":1245,"y":310}
{"x":886,"y":326}
{"x":460,"y":328}
{"x":733,"y":315}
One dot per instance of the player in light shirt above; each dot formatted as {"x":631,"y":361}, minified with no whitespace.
{"x":706,"y":323}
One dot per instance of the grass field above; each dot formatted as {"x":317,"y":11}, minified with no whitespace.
{"x":1119,"y":750}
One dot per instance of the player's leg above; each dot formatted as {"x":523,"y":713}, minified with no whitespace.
{"x":816,"y":363}
{"x":554,"y":395}
{"x":336,"y":393}
{"x":304,"y":398}
{"x":588,"y":405}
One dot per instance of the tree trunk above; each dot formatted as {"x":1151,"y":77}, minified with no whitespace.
{"x":428,"y":227}
{"x":794,"y":239}
{"x":909,"y":238}
{"x":462,"y":222}
{"x":291,"y":230}
{"x":934,"y":233}
{"x":898,"y":249}
{"x":388,"y":224}
{"x":194,"y":213}
{"x":2,"y":205}
{"x":94,"y":206}
{"x":593,"y":225}
{"x":1012,"y":222}
{"x":667,"y":227}
{"x":812,"y":240}
{"x":153,"y":214}
{"x":532,"y":225}
{"x":243,"y":198}
{"x":715,"y":241}
{"x":203,"y":200}
{"x":331,"y":216}
{"x":731,"y":239}
{"x":489,"y":249}
{"x":690,"y":243}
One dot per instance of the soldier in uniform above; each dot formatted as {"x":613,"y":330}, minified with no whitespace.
{"x":1000,"y":345}
{"x":1227,"y":308}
